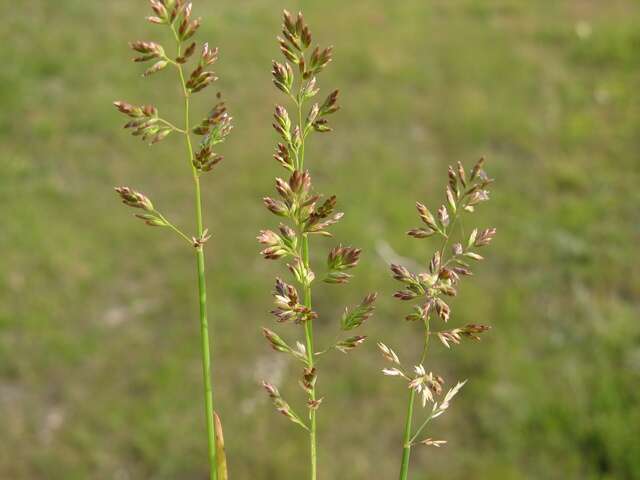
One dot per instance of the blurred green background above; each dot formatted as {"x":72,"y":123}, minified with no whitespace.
{"x":99,"y":344}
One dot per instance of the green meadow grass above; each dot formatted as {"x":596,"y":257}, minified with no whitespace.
{"x":99,"y":364}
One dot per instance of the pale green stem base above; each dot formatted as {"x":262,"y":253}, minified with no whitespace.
{"x":406,"y":440}
{"x":206,"y":365}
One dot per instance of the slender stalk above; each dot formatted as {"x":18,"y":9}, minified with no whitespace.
{"x":407,"y":438}
{"x":202,"y":287}
{"x":308,"y":331}
{"x":303,"y":133}
{"x":174,"y":228}
{"x":308,"y":326}
{"x":419,"y":430}
{"x":169,"y":124}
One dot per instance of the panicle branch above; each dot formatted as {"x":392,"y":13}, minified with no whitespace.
{"x":145,"y":122}
{"x":282,"y":406}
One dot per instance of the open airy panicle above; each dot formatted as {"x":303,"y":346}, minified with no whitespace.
{"x":431,"y":289}
{"x":304,"y":213}
{"x":145,"y":121}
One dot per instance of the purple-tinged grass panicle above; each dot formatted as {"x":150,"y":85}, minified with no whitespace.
{"x":430,"y":291}
{"x":304,"y":214}
{"x":144,"y":121}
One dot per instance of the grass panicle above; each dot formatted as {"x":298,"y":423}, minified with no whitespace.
{"x":430,"y":289}
{"x":305,"y":215}
{"x":144,"y":121}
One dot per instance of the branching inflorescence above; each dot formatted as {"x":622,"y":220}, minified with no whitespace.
{"x":305,"y":214}
{"x":430,"y":288}
{"x":145,"y":121}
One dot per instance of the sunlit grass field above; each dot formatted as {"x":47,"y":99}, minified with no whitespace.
{"x":99,"y":364}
